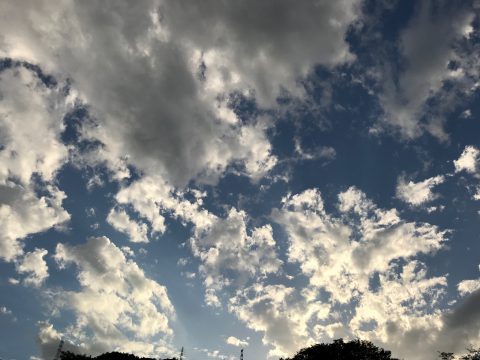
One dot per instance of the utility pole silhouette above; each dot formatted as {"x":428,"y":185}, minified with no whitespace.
{"x":241,"y":354}
{"x":59,"y":350}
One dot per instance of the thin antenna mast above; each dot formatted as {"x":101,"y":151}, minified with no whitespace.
{"x":241,"y":354}
{"x":181,"y":354}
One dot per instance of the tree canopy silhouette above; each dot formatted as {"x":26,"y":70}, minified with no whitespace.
{"x":67,"y":355}
{"x":473,"y":354}
{"x":340,"y":350}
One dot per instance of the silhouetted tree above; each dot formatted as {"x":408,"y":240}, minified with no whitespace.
{"x":340,"y":350}
{"x":473,"y":354}
{"x":446,"y":356}
{"x":67,"y":355}
{"x":119,"y":356}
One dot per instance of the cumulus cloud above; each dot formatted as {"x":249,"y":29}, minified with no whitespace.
{"x":241,"y":50}
{"x":27,"y":172}
{"x":117,"y":306}
{"x":121,"y":221}
{"x":468,"y":160}
{"x":211,"y":298}
{"x":403,"y":311}
{"x":188,"y":131}
{"x":417,"y":194}
{"x":427,"y":45}
{"x":168,"y":111}
{"x":157,"y":83}
{"x":25,"y":96}
{"x":340,"y":254}
{"x":232,"y":340}
{"x":33,"y":264}
{"x":280,"y":313}
{"x":23,"y":213}
{"x":48,"y":340}
{"x":476,"y":196}
{"x":152,"y":197}
{"x":466,"y":287}
{"x":323,"y":152}
{"x":230,"y":254}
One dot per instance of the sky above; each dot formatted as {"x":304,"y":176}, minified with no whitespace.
{"x":250,"y":174}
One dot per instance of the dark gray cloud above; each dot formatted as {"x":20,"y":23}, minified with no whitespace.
{"x":466,"y":315}
{"x":136,"y":65}
{"x":268,"y":43}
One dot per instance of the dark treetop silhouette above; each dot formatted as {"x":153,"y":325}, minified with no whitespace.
{"x":473,"y":354}
{"x":340,"y":350}
{"x":67,"y":355}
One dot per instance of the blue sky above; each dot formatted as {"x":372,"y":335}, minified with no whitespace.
{"x":261,"y":175}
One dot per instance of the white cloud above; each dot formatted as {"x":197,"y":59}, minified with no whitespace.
{"x":48,"y":340}
{"x":211,"y":298}
{"x":476,"y":196}
{"x":164,"y":114}
{"x":323,"y":152}
{"x":281,"y":313}
{"x":117,"y":306}
{"x":152,"y":196}
{"x":33,"y":264}
{"x":466,"y":287}
{"x":138,"y":67}
{"x":468,"y":160}
{"x":340,"y":254}
{"x":13,"y":281}
{"x":22,"y":211}
{"x":467,"y":114}
{"x":128,"y":251}
{"x":24,"y":96}
{"x":121,"y":221}
{"x":419,"y":193}
{"x":406,"y":303}
{"x":232,"y":340}
{"x":230,"y":255}
{"x":5,"y":311}
{"x":215,"y":354}
{"x":427,"y":45}
{"x":186,"y":132}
